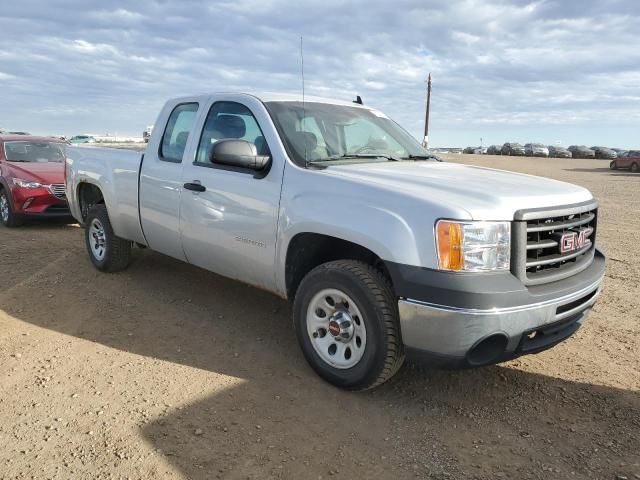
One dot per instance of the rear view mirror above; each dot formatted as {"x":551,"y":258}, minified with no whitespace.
{"x":238,"y":153}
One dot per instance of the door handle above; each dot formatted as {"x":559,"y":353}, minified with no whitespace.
{"x":195,"y":187}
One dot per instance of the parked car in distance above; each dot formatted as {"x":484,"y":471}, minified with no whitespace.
{"x":494,"y":150}
{"x":604,"y":152}
{"x":146,"y":134}
{"x":536,"y":150}
{"x":78,"y":139}
{"x":559,"y":152}
{"x":513,"y":149}
{"x":581,"y":151}
{"x":475,"y":150}
{"x":630,"y":160}
{"x":31,"y":178}
{"x":620,"y":152}
{"x":239,"y":185}
{"x":18,"y":133}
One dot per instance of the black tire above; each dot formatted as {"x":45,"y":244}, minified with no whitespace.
{"x":10,"y":219}
{"x":613,"y":165}
{"x":634,"y":168}
{"x":117,"y":251}
{"x":371,"y":291}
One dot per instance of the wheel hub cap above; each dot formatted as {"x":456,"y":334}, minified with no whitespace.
{"x":4,"y":208}
{"x":97,"y":239}
{"x":341,"y":326}
{"x":336,"y":328}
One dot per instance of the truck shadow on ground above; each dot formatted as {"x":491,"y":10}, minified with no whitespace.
{"x":278,"y":420}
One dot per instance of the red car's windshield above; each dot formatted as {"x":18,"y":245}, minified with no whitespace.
{"x":33,"y":151}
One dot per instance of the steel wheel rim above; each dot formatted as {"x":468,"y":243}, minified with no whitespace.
{"x":4,"y":208}
{"x":97,"y":240}
{"x":336,"y":328}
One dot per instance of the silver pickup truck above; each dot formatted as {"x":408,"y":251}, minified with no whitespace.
{"x":382,"y":250}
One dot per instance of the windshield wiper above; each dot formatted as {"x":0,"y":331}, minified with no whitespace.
{"x":368,"y":155}
{"x":423,"y":157}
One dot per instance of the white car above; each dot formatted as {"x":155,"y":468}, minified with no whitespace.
{"x":536,"y":150}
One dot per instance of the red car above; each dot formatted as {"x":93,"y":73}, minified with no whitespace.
{"x":31,"y":178}
{"x":630,"y":160}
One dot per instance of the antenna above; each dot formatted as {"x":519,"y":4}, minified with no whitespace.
{"x":304,"y":113}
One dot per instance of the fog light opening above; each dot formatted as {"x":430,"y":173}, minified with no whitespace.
{"x":27,"y":203}
{"x":487,"y":351}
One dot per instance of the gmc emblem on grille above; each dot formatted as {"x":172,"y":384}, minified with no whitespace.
{"x":571,"y":241}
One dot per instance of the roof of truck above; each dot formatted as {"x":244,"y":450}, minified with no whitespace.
{"x":290,"y":97}
{"x":297,"y":97}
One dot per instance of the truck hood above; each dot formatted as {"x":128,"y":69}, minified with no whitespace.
{"x":46,"y":173}
{"x":486,"y":194}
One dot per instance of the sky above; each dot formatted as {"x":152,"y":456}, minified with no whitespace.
{"x":550,"y":71}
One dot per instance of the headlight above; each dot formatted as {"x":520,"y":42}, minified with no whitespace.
{"x":26,"y":184}
{"x":473,"y":246}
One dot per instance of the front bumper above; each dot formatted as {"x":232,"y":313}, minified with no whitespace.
{"x":498,"y":323}
{"x":38,"y":203}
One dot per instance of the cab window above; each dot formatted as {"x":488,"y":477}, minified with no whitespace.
{"x":176,"y":133}
{"x":229,"y":120}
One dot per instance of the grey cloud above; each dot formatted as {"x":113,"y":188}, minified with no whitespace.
{"x":89,"y":65}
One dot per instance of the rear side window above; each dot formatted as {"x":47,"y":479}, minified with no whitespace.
{"x":176,"y":133}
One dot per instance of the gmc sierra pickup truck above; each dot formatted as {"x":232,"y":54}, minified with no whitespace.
{"x":383,"y":251}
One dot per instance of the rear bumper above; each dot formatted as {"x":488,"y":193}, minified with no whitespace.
{"x":467,"y":331}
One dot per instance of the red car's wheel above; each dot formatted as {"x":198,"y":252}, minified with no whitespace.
{"x":7,"y":216}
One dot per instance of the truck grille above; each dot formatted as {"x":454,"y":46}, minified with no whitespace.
{"x":554,"y":244}
{"x":58,"y":190}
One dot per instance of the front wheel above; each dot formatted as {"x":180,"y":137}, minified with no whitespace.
{"x":346,"y":321}
{"x":613,"y":165}
{"x":108,"y":252}
{"x":7,"y":216}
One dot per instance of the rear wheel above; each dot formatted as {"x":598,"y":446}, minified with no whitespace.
{"x":7,"y":216}
{"x":613,"y":165}
{"x":108,"y":252}
{"x":346,"y":321}
{"x":634,"y":168}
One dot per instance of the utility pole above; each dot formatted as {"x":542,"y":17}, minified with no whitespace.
{"x":425,"y":141}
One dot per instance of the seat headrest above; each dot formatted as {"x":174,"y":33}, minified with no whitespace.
{"x":181,"y":138}
{"x":304,"y":141}
{"x":230,"y":126}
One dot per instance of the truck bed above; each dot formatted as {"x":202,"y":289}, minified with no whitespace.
{"x":116,"y":171}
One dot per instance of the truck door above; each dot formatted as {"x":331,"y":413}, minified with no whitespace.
{"x":229,"y":219}
{"x":160,"y":179}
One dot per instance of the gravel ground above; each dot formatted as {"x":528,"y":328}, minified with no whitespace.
{"x":166,"y":371}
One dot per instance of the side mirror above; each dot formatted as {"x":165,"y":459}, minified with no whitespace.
{"x":238,"y":153}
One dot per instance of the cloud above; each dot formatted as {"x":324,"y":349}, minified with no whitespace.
{"x":501,"y":69}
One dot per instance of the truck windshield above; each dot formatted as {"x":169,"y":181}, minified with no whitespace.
{"x":323,"y":132}
{"x":23,"y":151}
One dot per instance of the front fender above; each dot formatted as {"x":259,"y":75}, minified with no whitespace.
{"x":378,"y":229}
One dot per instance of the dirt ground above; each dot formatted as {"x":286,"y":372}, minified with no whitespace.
{"x":166,"y":371}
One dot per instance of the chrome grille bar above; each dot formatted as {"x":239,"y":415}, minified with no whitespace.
{"x":562,"y":225}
